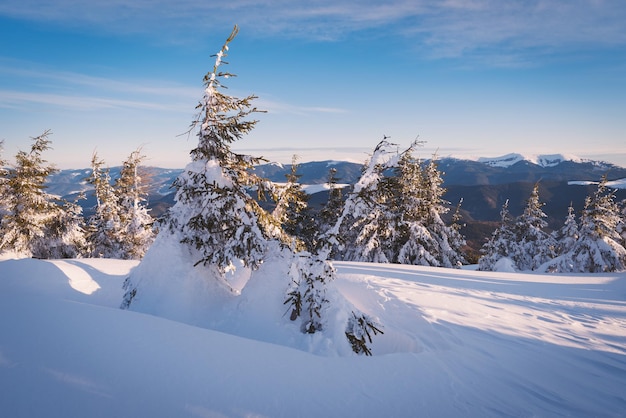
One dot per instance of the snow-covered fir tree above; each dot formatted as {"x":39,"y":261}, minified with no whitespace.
{"x":331,"y":211}
{"x":438,"y":244}
{"x":498,"y":248}
{"x":216,"y":234}
{"x":4,"y":179}
{"x":218,"y":224}
{"x":365,"y":210}
{"x":567,"y":236}
{"x":412,"y":242}
{"x":30,"y":210}
{"x":292,"y":210}
{"x":135,"y":220}
{"x":598,"y":247}
{"x":621,"y":226}
{"x":532,"y":246}
{"x":402,"y":220}
{"x":105,"y":234}
{"x":67,"y":231}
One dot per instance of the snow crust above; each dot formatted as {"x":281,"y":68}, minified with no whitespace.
{"x":456,"y":343}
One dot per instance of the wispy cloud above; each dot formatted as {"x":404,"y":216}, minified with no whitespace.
{"x":77,"y":91}
{"x":443,"y":27}
{"x":16,"y":99}
{"x":47,"y":76}
{"x":274,"y":106}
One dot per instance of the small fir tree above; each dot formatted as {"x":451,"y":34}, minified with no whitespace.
{"x":292,"y":211}
{"x":331,"y":211}
{"x":365,"y":212}
{"x":598,"y":248}
{"x":446,"y":241}
{"x":30,"y":210}
{"x":105,"y":235}
{"x":567,"y":236}
{"x":135,"y":220}
{"x":67,"y":230}
{"x":499,"y":246}
{"x":4,"y":185}
{"x":531,"y":245}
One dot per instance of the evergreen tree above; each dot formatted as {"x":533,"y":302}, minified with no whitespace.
{"x":135,"y":221}
{"x":293,"y":213}
{"x":598,"y":248}
{"x":409,"y":208}
{"x":531,"y":245}
{"x":365,"y":210}
{"x":331,"y":211}
{"x":4,"y":183}
{"x":403,"y":221}
{"x":67,"y":231}
{"x":24,"y":228}
{"x":221,"y":227}
{"x":621,"y":226}
{"x":443,"y":242}
{"x":499,"y":246}
{"x":213,"y":212}
{"x":567,"y":236}
{"x":105,"y":235}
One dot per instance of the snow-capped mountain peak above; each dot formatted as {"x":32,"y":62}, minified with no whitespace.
{"x":543,"y":160}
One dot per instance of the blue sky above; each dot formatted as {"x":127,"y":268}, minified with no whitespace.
{"x":469,"y":77}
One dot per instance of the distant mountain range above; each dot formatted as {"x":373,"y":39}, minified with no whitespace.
{"x":483,"y":184}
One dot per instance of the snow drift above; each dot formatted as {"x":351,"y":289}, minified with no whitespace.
{"x":456,"y":343}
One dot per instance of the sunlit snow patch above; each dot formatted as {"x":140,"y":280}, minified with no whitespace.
{"x":79,"y":279}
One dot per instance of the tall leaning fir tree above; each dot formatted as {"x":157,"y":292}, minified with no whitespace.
{"x":214,"y":218}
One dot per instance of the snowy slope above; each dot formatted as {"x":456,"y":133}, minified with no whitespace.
{"x":457,"y":343}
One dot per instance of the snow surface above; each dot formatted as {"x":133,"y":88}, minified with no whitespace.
{"x":457,"y":343}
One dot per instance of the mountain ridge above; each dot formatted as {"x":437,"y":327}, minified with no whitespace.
{"x":483,"y":187}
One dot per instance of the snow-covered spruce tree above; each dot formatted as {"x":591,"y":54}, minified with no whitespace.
{"x":105,"y":235}
{"x":135,"y":221}
{"x":214,"y":218}
{"x":366,"y":210}
{"x":67,"y":231}
{"x":311,"y":274}
{"x":4,"y":190}
{"x":412,"y":242}
{"x":499,"y":247}
{"x":598,"y":247}
{"x":292,"y":211}
{"x":216,"y":235}
{"x":30,"y":209}
{"x":567,"y":236}
{"x":360,"y":326}
{"x":532,"y":246}
{"x":430,"y":241}
{"x":621,"y":226}
{"x":331,"y":211}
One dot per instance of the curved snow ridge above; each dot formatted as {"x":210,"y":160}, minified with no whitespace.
{"x":78,"y":278}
